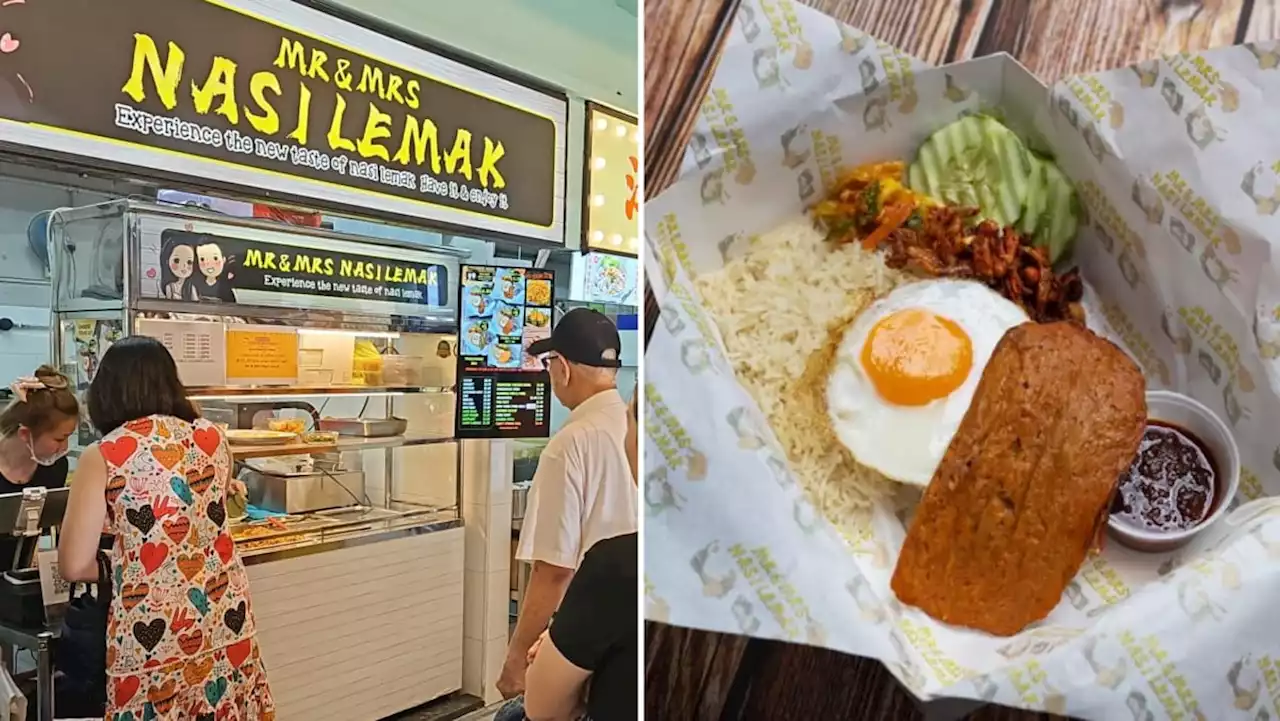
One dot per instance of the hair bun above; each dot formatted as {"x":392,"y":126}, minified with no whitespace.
{"x":52,"y":379}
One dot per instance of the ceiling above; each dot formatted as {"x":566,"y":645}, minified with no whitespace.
{"x":589,"y":48}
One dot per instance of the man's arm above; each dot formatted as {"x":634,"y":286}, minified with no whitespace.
{"x":546,"y":589}
{"x":555,"y":686}
{"x":551,"y":541}
{"x":598,"y":610}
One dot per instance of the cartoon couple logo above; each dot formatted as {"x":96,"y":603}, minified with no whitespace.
{"x":183,"y":254}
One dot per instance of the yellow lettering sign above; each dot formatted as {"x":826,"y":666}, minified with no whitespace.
{"x":220,"y":83}
{"x":377,"y":126}
{"x":166,"y":77}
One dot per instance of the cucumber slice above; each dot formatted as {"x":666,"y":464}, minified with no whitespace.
{"x":1037,"y":198}
{"x":975,"y":161}
{"x":1061,"y":213}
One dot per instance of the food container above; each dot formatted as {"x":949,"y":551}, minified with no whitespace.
{"x":320,"y":437}
{"x":367,"y":377}
{"x":304,"y":493}
{"x":402,"y":370}
{"x":1170,"y":249}
{"x":519,"y":500}
{"x":315,"y":377}
{"x":309,"y":358}
{"x":365,"y":427}
{"x":237,"y":507}
{"x":1191,"y":415}
{"x":287,"y":425}
{"x":366,"y":367}
{"x":259,"y":437}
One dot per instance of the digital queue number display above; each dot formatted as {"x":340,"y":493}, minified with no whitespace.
{"x":503,"y":390}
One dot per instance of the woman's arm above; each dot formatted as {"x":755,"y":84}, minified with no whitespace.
{"x":86,"y":513}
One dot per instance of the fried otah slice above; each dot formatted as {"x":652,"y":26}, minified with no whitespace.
{"x":1016,"y":503}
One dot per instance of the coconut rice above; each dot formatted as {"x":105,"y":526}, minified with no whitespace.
{"x":781,"y":309}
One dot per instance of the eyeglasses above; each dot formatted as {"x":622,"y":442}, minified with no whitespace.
{"x":546,"y":359}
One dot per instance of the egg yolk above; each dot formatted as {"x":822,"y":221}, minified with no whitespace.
{"x":914,"y":357}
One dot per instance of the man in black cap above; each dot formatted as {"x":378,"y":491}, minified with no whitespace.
{"x":588,"y":340}
{"x":582,"y":491}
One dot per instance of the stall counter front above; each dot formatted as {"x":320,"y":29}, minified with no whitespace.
{"x":365,"y":627}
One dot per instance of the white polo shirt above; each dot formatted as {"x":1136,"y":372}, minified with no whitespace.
{"x":582,"y":491}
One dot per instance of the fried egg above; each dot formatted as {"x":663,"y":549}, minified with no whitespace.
{"x":906,"y":369}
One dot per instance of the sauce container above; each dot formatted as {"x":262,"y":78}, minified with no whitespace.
{"x":1206,"y":429}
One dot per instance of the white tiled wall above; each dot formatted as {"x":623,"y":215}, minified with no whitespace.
{"x":486,"y":512}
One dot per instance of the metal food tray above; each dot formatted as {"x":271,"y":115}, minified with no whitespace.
{"x":293,"y":526}
{"x":365,"y":427}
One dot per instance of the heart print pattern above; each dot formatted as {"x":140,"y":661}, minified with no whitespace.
{"x":181,"y":637}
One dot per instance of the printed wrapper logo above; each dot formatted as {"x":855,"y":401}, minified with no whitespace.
{"x":717,"y":576}
{"x":784,"y":25}
{"x":774,"y":594}
{"x":1248,"y":679}
{"x":656,"y":609}
{"x":1170,"y":689}
{"x":1032,"y":685}
{"x":1168,"y":195}
{"x":672,"y":251}
{"x":673,"y":442}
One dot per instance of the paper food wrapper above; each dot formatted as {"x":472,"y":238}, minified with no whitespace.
{"x":1176,"y":165}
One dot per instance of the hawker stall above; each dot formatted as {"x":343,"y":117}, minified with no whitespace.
{"x":330,"y":361}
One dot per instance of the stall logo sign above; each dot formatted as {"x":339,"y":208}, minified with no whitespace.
{"x":207,"y":268}
{"x":201,"y":78}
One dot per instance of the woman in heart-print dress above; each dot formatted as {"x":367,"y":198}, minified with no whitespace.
{"x":180,"y":636}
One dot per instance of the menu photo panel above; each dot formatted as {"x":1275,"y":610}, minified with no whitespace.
{"x":503,"y":390}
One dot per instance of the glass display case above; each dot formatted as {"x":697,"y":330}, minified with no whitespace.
{"x":329,"y":359}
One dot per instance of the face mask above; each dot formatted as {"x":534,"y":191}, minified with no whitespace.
{"x":48,"y":460}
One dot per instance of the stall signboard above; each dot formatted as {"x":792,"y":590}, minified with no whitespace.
{"x":202,"y":267}
{"x":503,"y":391}
{"x":272,"y":95}
{"x":611,"y":202}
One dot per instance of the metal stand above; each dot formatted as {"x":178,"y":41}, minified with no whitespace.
{"x":44,"y":676}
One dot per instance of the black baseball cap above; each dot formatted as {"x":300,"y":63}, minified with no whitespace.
{"x":583,"y":336}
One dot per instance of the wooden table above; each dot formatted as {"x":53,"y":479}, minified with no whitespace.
{"x":698,"y":675}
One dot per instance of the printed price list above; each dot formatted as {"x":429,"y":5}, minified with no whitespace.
{"x":504,"y":405}
{"x":477,"y":409}
{"x":520,"y":404}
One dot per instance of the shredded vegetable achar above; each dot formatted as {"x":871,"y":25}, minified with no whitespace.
{"x":871,"y":205}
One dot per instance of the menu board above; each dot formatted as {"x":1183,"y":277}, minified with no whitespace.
{"x":503,"y":391}
{"x":198,"y":348}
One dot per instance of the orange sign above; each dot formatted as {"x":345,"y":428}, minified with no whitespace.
{"x":262,"y":355}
